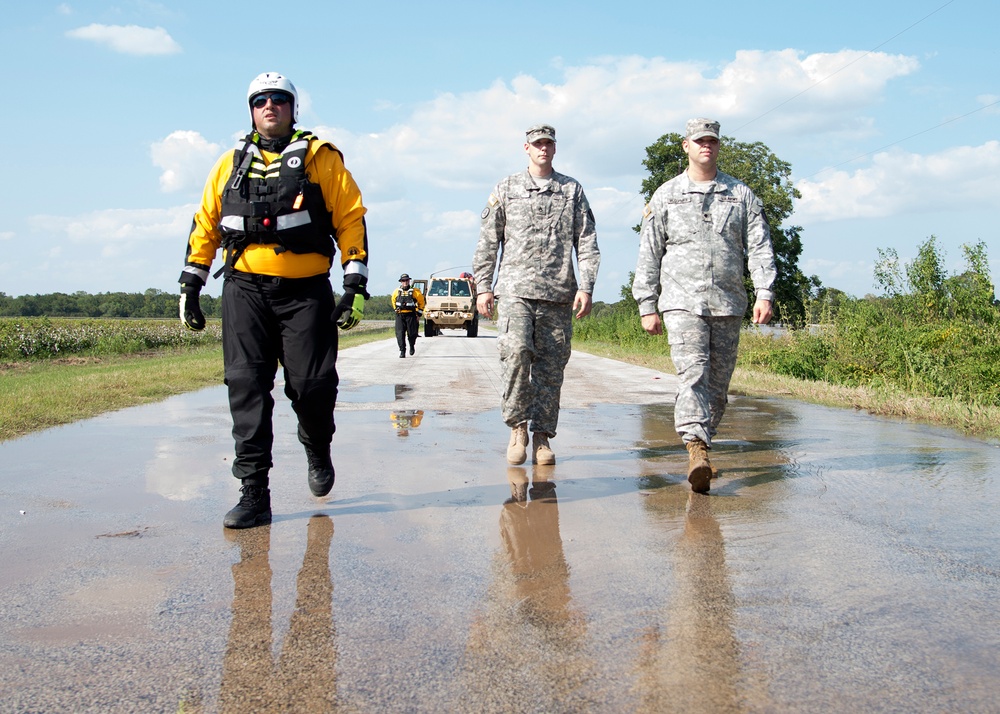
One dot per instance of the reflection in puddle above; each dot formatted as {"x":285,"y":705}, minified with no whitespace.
{"x":529,"y":624}
{"x":696,"y":642}
{"x":405,"y":419}
{"x":169,"y":474}
{"x":304,"y":676}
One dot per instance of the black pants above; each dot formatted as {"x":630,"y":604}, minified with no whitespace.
{"x":269,"y":320}
{"x":406,"y":329}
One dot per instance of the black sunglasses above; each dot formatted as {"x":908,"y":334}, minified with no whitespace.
{"x":277,"y":99}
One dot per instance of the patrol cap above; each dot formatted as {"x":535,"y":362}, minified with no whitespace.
{"x":403,"y":277}
{"x":697,"y":128}
{"x":538,"y":132}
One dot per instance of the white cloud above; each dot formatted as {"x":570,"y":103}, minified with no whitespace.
{"x":614,"y":206}
{"x":186,"y":158}
{"x":898,"y":182}
{"x":64,"y":9}
{"x":426,"y":177}
{"x":607,"y":112}
{"x":7,"y":235}
{"x":445,"y":155}
{"x":449,"y":223}
{"x":128,"y":39}
{"x":837,"y":271}
{"x":118,"y":229}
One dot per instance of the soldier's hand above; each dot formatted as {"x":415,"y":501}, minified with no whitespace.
{"x":582,"y":304}
{"x":762,"y":312}
{"x":350,"y":310}
{"x":484,"y":304}
{"x":190,"y":307}
{"x":652,"y":324}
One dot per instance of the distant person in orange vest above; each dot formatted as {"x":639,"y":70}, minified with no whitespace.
{"x":408,"y":302}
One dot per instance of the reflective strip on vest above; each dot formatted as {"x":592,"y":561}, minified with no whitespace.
{"x":289,"y":220}
{"x":233,"y":223}
{"x":293,"y":220}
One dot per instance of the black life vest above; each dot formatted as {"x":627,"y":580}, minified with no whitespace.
{"x":274,"y":203}
{"x":405,"y":300}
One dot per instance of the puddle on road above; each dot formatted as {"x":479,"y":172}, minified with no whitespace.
{"x":372,"y":393}
{"x":840,"y":559}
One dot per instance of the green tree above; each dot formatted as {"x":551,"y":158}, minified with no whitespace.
{"x":770,"y":179}
{"x":823,"y":306}
{"x":923,"y":291}
{"x":972,"y":291}
{"x":926,"y":276}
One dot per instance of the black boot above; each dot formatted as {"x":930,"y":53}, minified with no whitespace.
{"x":402,"y":353}
{"x":411,"y":349}
{"x":254,"y":508}
{"x":321,"y":474}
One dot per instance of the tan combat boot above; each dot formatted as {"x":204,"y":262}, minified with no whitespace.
{"x":699,"y":467}
{"x":517,"y":449}
{"x":541,"y":452}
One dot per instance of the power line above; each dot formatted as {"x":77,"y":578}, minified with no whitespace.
{"x":841,"y":69}
{"x":907,"y":138}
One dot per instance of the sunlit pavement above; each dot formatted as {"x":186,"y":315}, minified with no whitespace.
{"x":840,"y":563}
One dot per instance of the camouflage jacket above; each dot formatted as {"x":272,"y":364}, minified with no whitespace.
{"x":532,"y":233}
{"x":694,"y":245}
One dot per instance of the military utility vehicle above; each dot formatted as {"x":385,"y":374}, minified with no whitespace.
{"x":450,"y":305}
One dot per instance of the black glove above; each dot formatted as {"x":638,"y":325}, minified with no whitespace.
{"x":350,"y":310}
{"x":190,"y":307}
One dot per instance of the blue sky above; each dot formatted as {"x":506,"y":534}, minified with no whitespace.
{"x":887,"y":112}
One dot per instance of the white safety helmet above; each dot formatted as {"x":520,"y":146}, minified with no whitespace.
{"x":273,"y":82}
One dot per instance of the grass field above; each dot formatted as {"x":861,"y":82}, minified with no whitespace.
{"x":117,"y":367}
{"x":41,"y":393}
{"x":970,"y":419}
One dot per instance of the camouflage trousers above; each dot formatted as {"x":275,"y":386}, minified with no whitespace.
{"x":703,"y":350}
{"x":534,"y":342}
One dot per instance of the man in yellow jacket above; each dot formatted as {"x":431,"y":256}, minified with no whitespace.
{"x":408,"y":302}
{"x":279,"y":205}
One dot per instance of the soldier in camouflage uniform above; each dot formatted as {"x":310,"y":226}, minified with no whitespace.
{"x":532,"y":224}
{"x":699,"y":230}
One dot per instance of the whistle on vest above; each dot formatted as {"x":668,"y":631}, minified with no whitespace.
{"x":297,"y":203}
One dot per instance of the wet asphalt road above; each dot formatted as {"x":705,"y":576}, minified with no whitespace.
{"x":841,"y":562}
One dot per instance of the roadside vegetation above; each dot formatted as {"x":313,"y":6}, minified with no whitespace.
{"x":927,"y":349}
{"x":149,"y":304}
{"x":56,"y":371}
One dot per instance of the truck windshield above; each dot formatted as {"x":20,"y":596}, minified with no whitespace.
{"x":439,"y":288}
{"x":460,"y":288}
